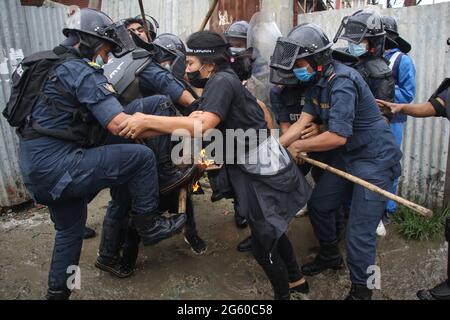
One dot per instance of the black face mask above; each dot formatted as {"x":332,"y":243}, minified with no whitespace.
{"x":195,"y":80}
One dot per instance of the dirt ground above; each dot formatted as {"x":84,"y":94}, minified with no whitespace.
{"x":170,"y":270}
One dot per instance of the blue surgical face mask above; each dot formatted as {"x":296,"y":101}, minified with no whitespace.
{"x":99,"y":60}
{"x":303,"y":75}
{"x":357,"y":50}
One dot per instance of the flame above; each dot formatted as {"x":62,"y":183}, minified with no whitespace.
{"x":195,"y":186}
{"x":203,"y":162}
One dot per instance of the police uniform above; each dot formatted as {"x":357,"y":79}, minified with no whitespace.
{"x":345,"y":104}
{"x":378,"y":76}
{"x":154,"y":79}
{"x":287,"y":103}
{"x":268,"y":202}
{"x":66,"y":177}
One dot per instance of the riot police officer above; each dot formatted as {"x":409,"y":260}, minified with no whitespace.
{"x":61,"y":158}
{"x":174,"y":57}
{"x":236,"y":35}
{"x":366,"y":38}
{"x":354,"y":126}
{"x":154,"y":79}
{"x":116,"y":232}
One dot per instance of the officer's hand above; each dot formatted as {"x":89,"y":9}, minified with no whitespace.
{"x":311,"y":130}
{"x":133,"y":126}
{"x":387,"y":107}
{"x":295,"y":150}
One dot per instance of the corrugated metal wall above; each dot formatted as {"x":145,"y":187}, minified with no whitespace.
{"x":426,"y":141}
{"x":23,"y":30}
{"x":181,"y":17}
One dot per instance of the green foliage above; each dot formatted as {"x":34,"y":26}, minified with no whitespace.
{"x":414,"y":226}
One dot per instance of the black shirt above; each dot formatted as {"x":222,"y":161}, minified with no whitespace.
{"x":225,"y":96}
{"x":445,"y":111}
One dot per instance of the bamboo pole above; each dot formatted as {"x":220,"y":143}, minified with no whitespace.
{"x":413,"y":206}
{"x":144,"y":20}
{"x":208,"y":15}
{"x":182,"y":197}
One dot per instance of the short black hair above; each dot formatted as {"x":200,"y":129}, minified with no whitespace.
{"x":133,"y":20}
{"x":210,"y":40}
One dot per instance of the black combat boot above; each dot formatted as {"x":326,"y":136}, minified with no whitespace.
{"x":130,"y":251}
{"x":245,"y":245}
{"x":359,"y":292}
{"x":198,"y":246}
{"x":108,"y":258}
{"x":329,"y":257}
{"x":152,"y":228}
{"x":171,"y":177}
{"x":442,"y":290}
{"x":58,"y":294}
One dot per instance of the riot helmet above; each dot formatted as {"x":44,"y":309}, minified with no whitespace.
{"x":93,"y":28}
{"x":393,"y":39}
{"x":304,"y":41}
{"x":237,"y":31}
{"x":171,"y":48}
{"x":363,"y":24}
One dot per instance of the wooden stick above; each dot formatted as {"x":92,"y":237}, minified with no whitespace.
{"x":413,"y":206}
{"x":208,"y":15}
{"x":144,"y":20}
{"x":182,"y":199}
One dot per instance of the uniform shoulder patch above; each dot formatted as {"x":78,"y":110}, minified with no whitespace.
{"x":93,"y":64}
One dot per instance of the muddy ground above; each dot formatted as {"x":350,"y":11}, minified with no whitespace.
{"x":170,"y":270}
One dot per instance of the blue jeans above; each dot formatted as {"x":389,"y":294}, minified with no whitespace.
{"x":397,"y":130}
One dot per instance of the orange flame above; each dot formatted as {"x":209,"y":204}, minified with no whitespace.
{"x":203,"y":162}
{"x":195,"y":186}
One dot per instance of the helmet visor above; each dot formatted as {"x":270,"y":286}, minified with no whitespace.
{"x":353,"y":31}
{"x":283,"y":77}
{"x":284,"y":54}
{"x":120,"y":37}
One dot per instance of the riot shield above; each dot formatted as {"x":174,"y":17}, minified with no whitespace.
{"x":262,"y":36}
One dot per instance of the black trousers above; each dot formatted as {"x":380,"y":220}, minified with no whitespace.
{"x":280,"y":265}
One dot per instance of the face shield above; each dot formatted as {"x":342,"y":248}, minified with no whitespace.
{"x":176,"y":57}
{"x":287,"y":52}
{"x":351,"y":30}
{"x":120,"y":36}
{"x":283,"y":77}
